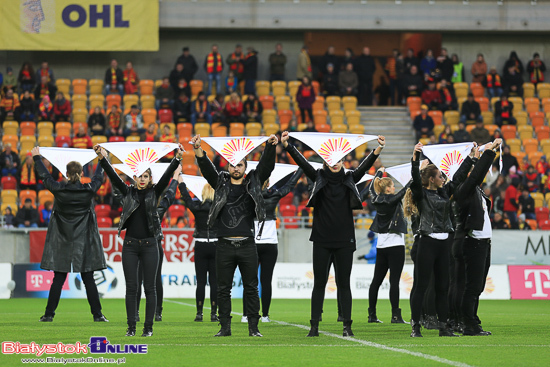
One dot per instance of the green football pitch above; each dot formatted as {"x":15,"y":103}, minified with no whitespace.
{"x":521,"y":336}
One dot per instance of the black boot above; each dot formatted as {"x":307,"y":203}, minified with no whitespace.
{"x":347,"y":328}
{"x":314,"y":331}
{"x":372,"y":316}
{"x":214,"y":317}
{"x":158,"y":314}
{"x":475,"y":330}
{"x":198,"y":317}
{"x":396,"y":316}
{"x":340,"y":318}
{"x":430,"y":322}
{"x":45,"y":318}
{"x":147,"y":331}
{"x":131,"y":331}
{"x":253,"y":326}
{"x":225,"y":323}
{"x":445,"y":330}
{"x":415,"y":329}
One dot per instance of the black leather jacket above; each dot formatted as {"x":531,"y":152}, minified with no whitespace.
{"x":274,"y":195}
{"x":469,"y":196}
{"x":389,"y":209}
{"x":130,"y":200}
{"x":200,"y":210}
{"x":434,"y":206}
{"x":253,"y":181}
{"x":352,"y":177}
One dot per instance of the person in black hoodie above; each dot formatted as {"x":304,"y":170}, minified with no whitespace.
{"x":250,"y":73}
{"x":391,"y":227}
{"x":334,"y":197}
{"x":330,"y":82}
{"x":143,"y":229}
{"x":428,"y":197}
{"x":267,"y":243}
{"x":205,"y":248}
{"x":475,"y":225}
{"x":365,"y":67}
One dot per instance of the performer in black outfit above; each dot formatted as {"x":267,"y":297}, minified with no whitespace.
{"x":72,"y":242}
{"x":475,"y":224}
{"x":236,"y":201}
{"x":140,"y":219}
{"x":430,"y":196}
{"x":334,"y":198}
{"x":391,"y":227}
{"x":205,"y":248}
{"x":267,"y":244}
{"x":167,"y":200}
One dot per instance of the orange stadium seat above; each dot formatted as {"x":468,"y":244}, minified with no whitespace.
{"x":530,"y":146}
{"x":542,"y":132}
{"x":113,"y":99}
{"x":319,"y":103}
{"x":80,"y":86}
{"x":28,"y":128}
{"x":537,"y":118}
{"x":146,"y":87}
{"x":477,"y":90}
{"x":437,"y":116}
{"x":285,"y":117}
{"x":508,"y":131}
{"x":483,"y":103}
{"x":267,"y":102}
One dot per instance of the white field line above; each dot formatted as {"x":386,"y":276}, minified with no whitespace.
{"x":359,"y":341}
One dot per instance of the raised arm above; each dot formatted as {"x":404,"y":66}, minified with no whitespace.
{"x":267,"y":160}
{"x":289,"y":185}
{"x":208,"y":170}
{"x":369,"y":189}
{"x":416,"y":184}
{"x":97,"y":180}
{"x":165,"y":179}
{"x":310,"y":172}
{"x":43,"y":173}
{"x":461,"y":173}
{"x":113,"y":176}
{"x":187,"y":199}
{"x":167,"y":199}
{"x":367,"y":163}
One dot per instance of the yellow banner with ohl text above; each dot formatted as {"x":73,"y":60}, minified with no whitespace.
{"x":79,"y":25}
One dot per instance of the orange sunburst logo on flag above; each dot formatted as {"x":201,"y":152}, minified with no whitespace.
{"x":139,"y":156}
{"x":332,"y":146}
{"x":450,"y":161}
{"x":231,"y":148}
{"x":331,"y":282}
{"x":489,"y":286}
{"x":407,"y":279}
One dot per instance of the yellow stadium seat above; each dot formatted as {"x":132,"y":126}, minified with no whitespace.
{"x":45,"y":141}
{"x":460,"y":101}
{"x":269,"y":116}
{"x":451,"y":117}
{"x":283,"y":102}
{"x":80,"y":101}
{"x":528,"y":90}
{"x":525,"y":132}
{"x":130,"y":99}
{"x":293,"y":87}
{"x":147,"y":101}
{"x":202,"y":129}
{"x":461,"y":90}
{"x":488,"y":117}
{"x":357,"y":129}
{"x":253,"y":129}
{"x":63,"y":129}
{"x":518,"y":103}
{"x":339,"y":128}
{"x":196,"y":87}
{"x":80,"y":115}
{"x":543,"y":90}
{"x":538,"y":198}
{"x":9,"y":196}
{"x":63,"y":85}
{"x":27,"y":143}
{"x":534,"y":157}
{"x":98,"y":139}
{"x":146,"y":87}
{"x":262,"y":88}
{"x":96,"y":86}
{"x":97,"y":100}
{"x":80,"y":86}
{"x":278,"y":88}
{"x":514,"y":144}
{"x":353,"y":117}
{"x":336,"y":117}
{"x":493,"y":101}
{"x":349,"y":103}
{"x":10,"y":128}
{"x":271,"y":128}
{"x":133,"y":138}
{"x":521,"y":117}
{"x":333,"y":103}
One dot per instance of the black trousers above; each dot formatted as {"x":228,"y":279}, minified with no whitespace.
{"x":428,"y":305}
{"x":57,"y":285}
{"x":228,"y":257}
{"x":144,"y":252}
{"x":432,"y":255}
{"x":205,"y":268}
{"x":456,"y":278}
{"x":343,"y":260}
{"x":303,"y":114}
{"x":365,"y":92}
{"x":392,"y":259}
{"x":267,"y":257}
{"x":477,"y":260}
{"x":159,"y":287}
{"x":333,"y":263}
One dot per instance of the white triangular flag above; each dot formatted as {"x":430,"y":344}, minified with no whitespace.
{"x":139,"y":155}
{"x":195,"y":184}
{"x":157,"y":170}
{"x":447,"y":157}
{"x":59,"y":157}
{"x":234,"y":149}
{"x":366,"y":177}
{"x":333,"y":147}
{"x":280,"y":171}
{"x":401,"y":173}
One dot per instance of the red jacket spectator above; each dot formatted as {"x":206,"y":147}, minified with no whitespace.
{"x":61,"y":107}
{"x":510,"y":199}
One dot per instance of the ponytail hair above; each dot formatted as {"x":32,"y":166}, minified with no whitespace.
{"x":381,"y":184}
{"x":74,"y":171}
{"x":207,"y":193}
{"x":409,"y":206}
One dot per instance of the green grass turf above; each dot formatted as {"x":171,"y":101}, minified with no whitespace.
{"x":521,"y":336}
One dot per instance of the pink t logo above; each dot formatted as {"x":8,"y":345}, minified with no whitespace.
{"x":538,"y":282}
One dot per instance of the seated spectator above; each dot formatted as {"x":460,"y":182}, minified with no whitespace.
{"x":444,"y":136}
{"x":9,"y":107}
{"x":531,"y":180}
{"x":96,"y":122}
{"x":252,"y":109}
{"x":46,"y":71}
{"x":114,"y":79}
{"x":497,"y":135}
{"x":234,"y":109}
{"x":431,"y":96}
{"x":513,"y":82}
{"x":522,"y":224}
{"x":164,"y":94}
{"x":493,"y":83}
{"x":45,"y":88}
{"x":536,"y":69}
{"x":10,"y":80}
{"x":527,"y":203}
{"x":182,"y":87}
{"x":423,"y":124}
{"x":382,"y":92}
{"x":82,"y":140}
{"x":27,"y":174}
{"x":200,"y":110}
{"x":167,"y":137}
{"x":305,"y":96}
{"x":26,"y":77}
{"x":217,"y":109}
{"x":433,"y":140}
{"x":428,"y":64}
{"x":480,"y":134}
{"x":61,"y":108}
{"x":131,"y":79}
{"x":508,"y":161}
{"x":182,"y":109}
{"x":479,"y":70}
{"x":498,"y":221}
{"x":471,"y":112}
{"x":151,"y":134}
{"x":9,"y":218}
{"x":45,"y":110}
{"x":412,"y":83}
{"x":348,"y":81}
{"x":27,"y":107}
{"x":503,"y":112}
{"x":27,"y":216}
{"x":114,"y":127}
{"x":310,"y":128}
{"x":9,"y":161}
{"x":461,"y":135}
{"x":46,"y":213}
{"x":134,"y":122}
{"x":542,"y":166}
{"x":448,"y":99}
{"x":231,"y":83}
{"x":330,"y":81}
